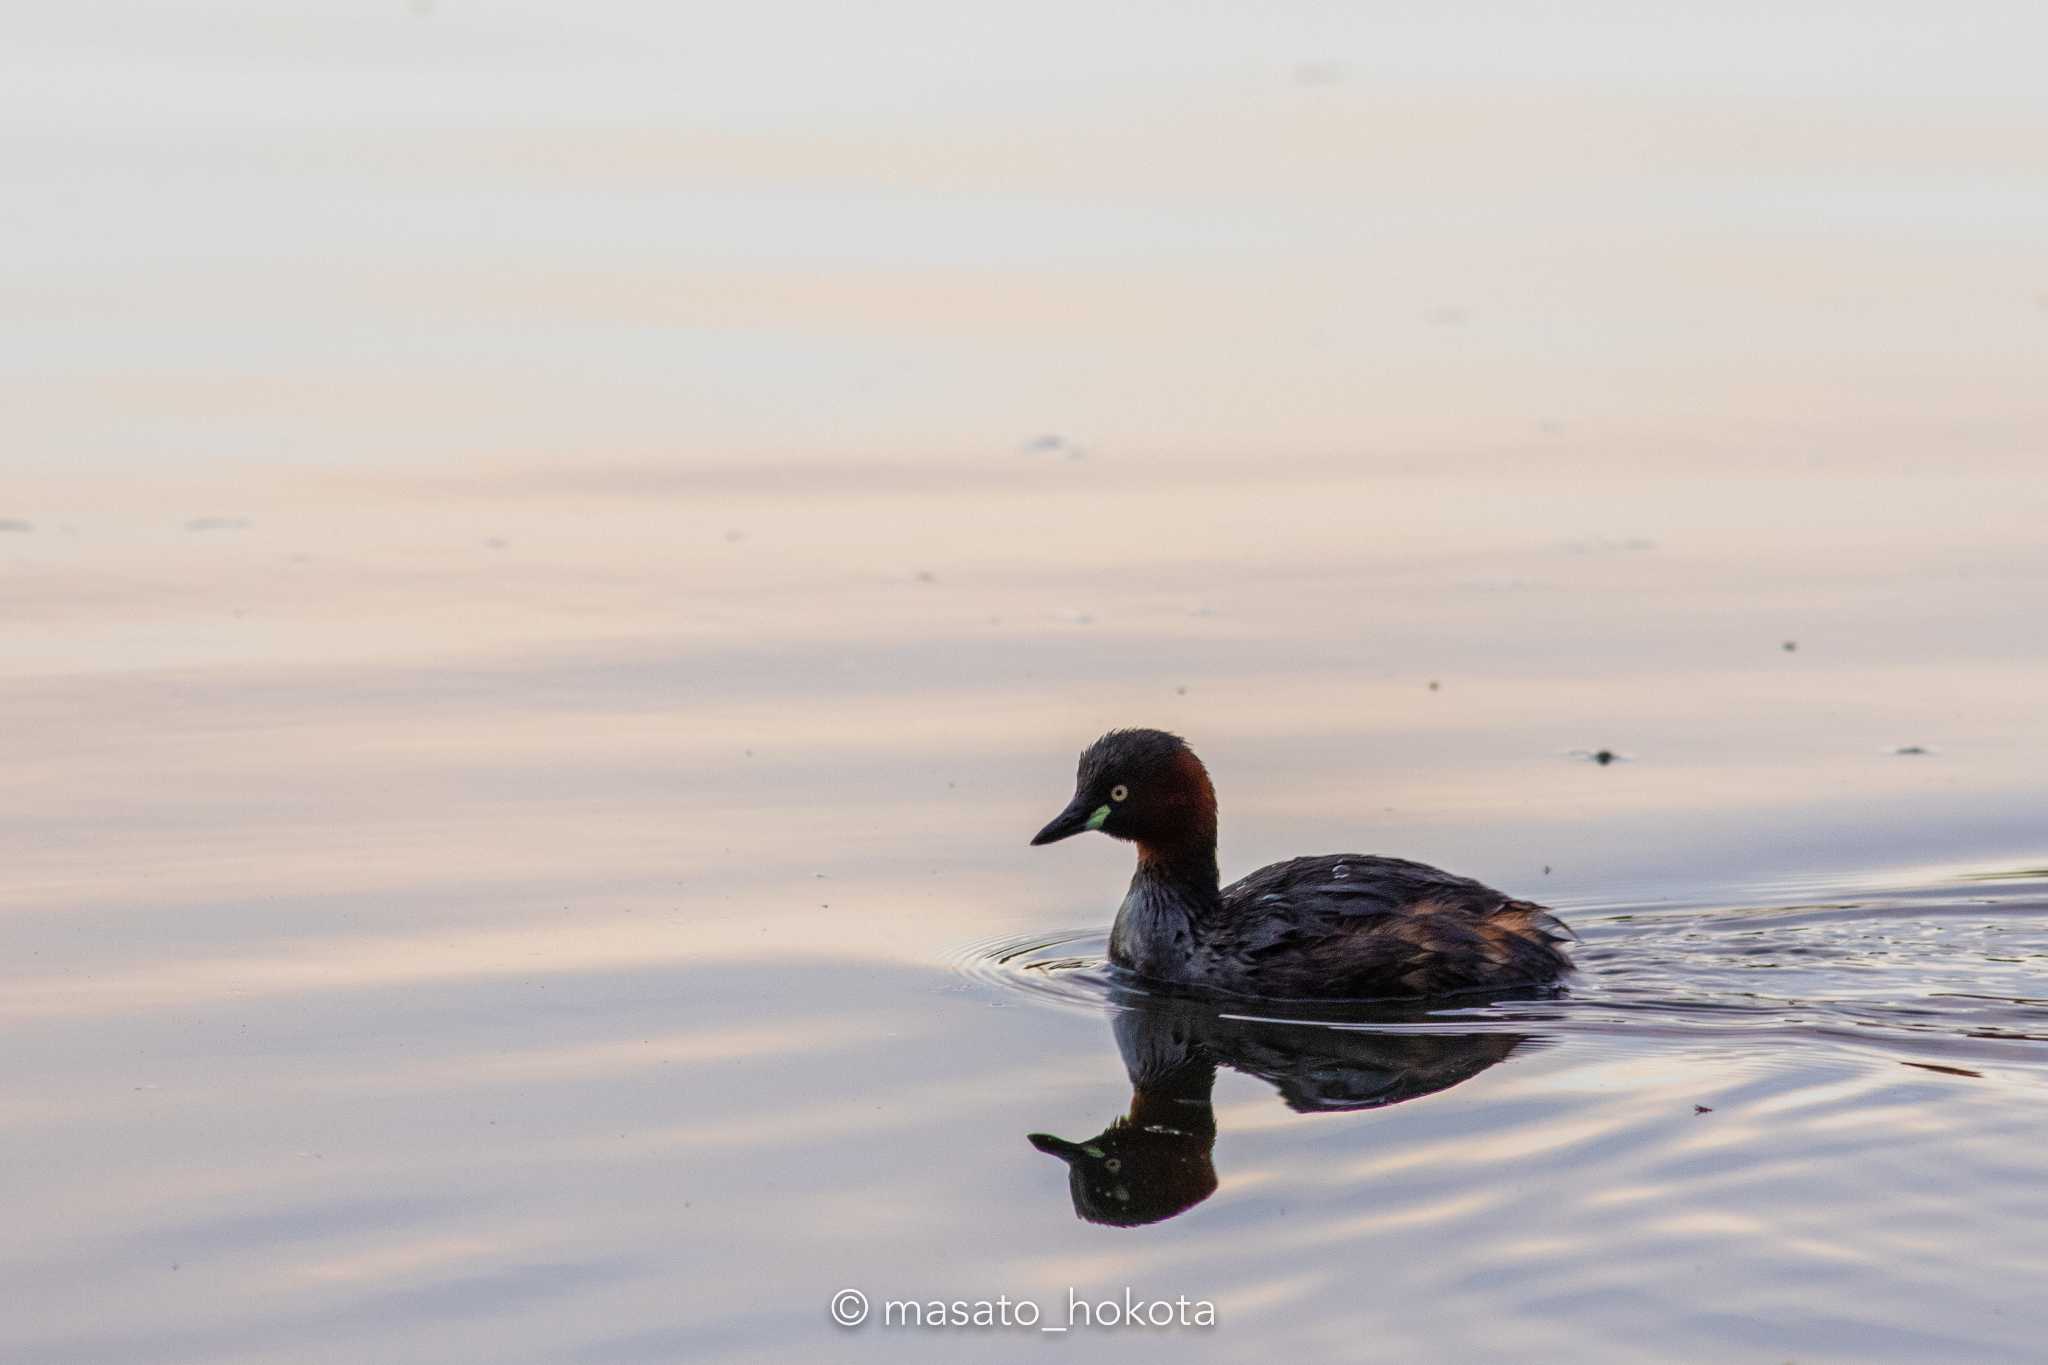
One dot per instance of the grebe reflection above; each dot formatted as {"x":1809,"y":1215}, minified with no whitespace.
{"x":1155,"y":1161}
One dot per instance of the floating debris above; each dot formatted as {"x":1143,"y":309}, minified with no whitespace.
{"x":1904,"y":749}
{"x":1699,"y":1109}
{"x":1790,"y":646}
{"x":1052,"y":443}
{"x":1601,"y":756}
{"x":1945,"y":1070}
{"x":1435,"y":686}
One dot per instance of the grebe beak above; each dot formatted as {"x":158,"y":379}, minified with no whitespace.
{"x":1059,"y":1147}
{"x":1077,"y":818}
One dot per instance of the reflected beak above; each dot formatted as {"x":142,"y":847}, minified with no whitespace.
{"x":1052,"y":1146}
{"x":1077,"y":818}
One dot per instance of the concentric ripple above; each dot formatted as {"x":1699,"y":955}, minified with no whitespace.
{"x":1070,"y":969}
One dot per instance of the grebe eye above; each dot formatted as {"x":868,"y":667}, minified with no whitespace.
{"x":1119,"y":792}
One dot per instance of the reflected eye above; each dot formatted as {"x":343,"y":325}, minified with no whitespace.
{"x":1119,"y":792}
{"x":1113,"y":1165}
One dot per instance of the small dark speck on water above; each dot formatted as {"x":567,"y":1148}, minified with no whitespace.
{"x":1702,"y":1109}
{"x":1435,"y":686}
{"x":217,"y":524}
{"x":1181,"y":691}
{"x":1791,"y":646}
{"x":1546,"y":869}
{"x":1052,"y":443}
{"x":16,"y":525}
{"x":1912,"y":749}
{"x":1604,"y":756}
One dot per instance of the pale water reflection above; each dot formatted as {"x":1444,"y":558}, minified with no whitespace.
{"x":430,"y":950}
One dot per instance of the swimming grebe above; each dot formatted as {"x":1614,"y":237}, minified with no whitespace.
{"x":1342,"y":925}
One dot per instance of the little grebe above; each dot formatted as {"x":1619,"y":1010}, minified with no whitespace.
{"x":1343,"y":925}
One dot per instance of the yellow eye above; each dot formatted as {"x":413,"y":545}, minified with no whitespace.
{"x":1119,"y":792}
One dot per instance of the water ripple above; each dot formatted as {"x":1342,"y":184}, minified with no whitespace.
{"x":1952,"y":970}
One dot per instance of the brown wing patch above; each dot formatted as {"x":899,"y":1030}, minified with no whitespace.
{"x":1437,"y":945}
{"x":1434,"y":926}
{"x":1506,"y":928}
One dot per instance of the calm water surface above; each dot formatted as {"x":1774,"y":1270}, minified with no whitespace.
{"x":435,"y":932}
{"x":548,"y":571}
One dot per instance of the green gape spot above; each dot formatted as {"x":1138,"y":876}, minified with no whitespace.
{"x":1096,"y":820}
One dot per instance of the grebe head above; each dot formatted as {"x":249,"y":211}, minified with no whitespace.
{"x":1144,"y":785}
